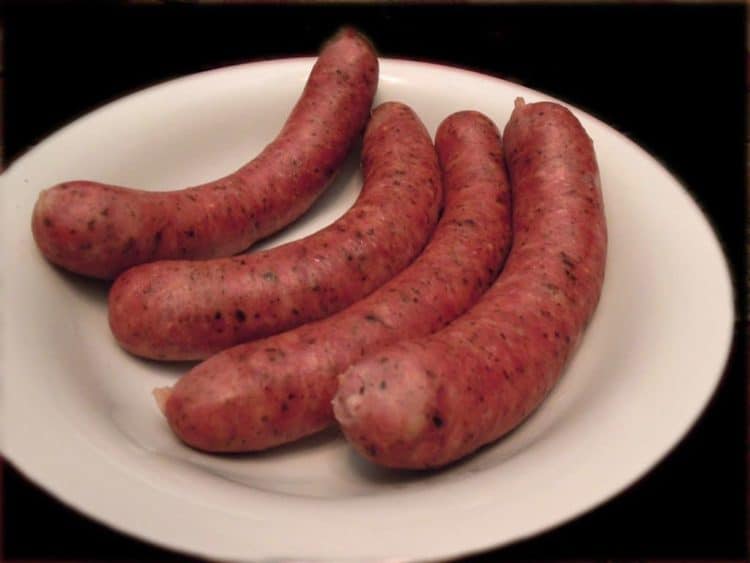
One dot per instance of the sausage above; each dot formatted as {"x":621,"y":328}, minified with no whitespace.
{"x":184,"y":310}
{"x":273,"y":391}
{"x":100,"y":230}
{"x":427,"y":402}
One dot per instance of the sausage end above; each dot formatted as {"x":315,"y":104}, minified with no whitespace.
{"x":161,"y":396}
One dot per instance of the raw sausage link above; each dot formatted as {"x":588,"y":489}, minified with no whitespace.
{"x":181,"y":310}
{"x":276,"y":390}
{"x":99,"y":230}
{"x":427,"y":402}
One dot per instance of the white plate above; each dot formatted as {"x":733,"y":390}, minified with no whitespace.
{"x":79,"y":418}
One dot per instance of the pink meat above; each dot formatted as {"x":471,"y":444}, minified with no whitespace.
{"x":276,"y":390}
{"x":427,"y":402}
{"x":180,"y":310}
{"x":183,"y":310}
{"x":99,"y":230}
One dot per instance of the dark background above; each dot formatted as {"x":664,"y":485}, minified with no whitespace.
{"x":671,"y":77}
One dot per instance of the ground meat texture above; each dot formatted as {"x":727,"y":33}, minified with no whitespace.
{"x":427,"y":402}
{"x":275,"y":390}
{"x":100,"y":230}
{"x":185,"y":310}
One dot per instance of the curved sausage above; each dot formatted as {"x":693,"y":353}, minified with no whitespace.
{"x":276,"y":390}
{"x":99,"y":230}
{"x":180,"y":310}
{"x":427,"y":402}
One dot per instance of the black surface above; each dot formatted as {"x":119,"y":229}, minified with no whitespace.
{"x":670,"y":77}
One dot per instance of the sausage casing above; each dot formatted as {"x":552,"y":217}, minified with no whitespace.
{"x":99,"y":230}
{"x":180,"y":310}
{"x":427,"y":402}
{"x":276,"y":390}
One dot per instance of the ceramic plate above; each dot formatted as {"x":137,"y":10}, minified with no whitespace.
{"x":79,"y":419}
